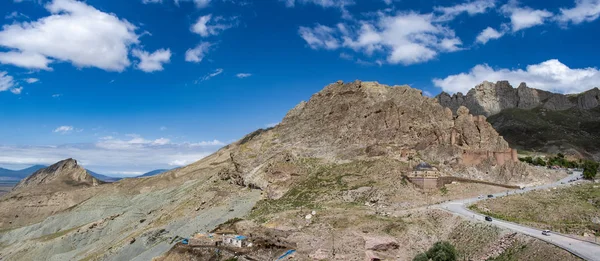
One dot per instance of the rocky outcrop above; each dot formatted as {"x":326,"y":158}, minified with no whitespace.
{"x":65,"y":172}
{"x":491,"y":98}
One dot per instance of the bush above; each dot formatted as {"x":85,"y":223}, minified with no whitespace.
{"x":539,"y":162}
{"x":421,"y":257}
{"x":440,"y":251}
{"x":590,"y":168}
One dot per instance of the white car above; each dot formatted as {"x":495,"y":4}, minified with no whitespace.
{"x":546,"y":232}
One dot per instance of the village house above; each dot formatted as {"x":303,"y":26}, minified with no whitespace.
{"x":235,"y":240}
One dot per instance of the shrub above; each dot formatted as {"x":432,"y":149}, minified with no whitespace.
{"x":440,"y":251}
{"x":590,"y":168}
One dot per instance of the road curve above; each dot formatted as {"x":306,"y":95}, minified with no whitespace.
{"x":583,"y":249}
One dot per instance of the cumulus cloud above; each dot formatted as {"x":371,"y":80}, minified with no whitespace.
{"x":524,"y":17}
{"x":551,"y":75}
{"x":471,"y":8}
{"x":583,"y":11}
{"x":74,"y":32}
{"x":30,"y":60}
{"x":151,"y":62}
{"x":113,"y":155}
{"x":63,"y":129}
{"x":405,"y":38}
{"x":207,"y":25}
{"x":197,"y":53}
{"x":488,"y":34}
{"x":243,"y":75}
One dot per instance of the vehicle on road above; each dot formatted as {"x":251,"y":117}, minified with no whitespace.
{"x":488,"y":218}
{"x":490,"y":196}
{"x":546,"y":232}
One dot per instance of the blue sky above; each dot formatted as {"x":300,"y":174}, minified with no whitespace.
{"x":130,"y":86}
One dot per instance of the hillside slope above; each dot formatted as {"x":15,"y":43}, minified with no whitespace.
{"x":348,"y":145}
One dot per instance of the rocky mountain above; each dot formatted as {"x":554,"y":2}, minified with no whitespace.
{"x":65,"y":172}
{"x":491,"y":98}
{"x":341,"y":154}
{"x":536,"y":120}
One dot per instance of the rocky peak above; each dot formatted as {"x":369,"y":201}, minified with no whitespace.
{"x":346,"y":118}
{"x":490,"y":98}
{"x":65,"y":172}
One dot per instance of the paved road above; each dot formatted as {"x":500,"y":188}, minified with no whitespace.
{"x":583,"y":249}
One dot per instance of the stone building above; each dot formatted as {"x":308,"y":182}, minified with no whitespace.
{"x":424,"y":176}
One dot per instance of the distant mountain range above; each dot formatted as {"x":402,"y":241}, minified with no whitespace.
{"x":8,"y":175}
{"x":14,"y":176}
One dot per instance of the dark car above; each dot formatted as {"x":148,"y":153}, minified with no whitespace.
{"x":488,"y":218}
{"x":490,"y":196}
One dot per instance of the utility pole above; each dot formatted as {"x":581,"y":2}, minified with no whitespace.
{"x":332,"y":242}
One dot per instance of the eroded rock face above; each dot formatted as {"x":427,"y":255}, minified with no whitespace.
{"x":66,"y":172}
{"x":357,"y":115}
{"x":490,"y":98}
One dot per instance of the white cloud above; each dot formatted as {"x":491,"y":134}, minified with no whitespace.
{"x":32,"y":80}
{"x":405,"y":38}
{"x":206,"y":143}
{"x":163,"y":128}
{"x":30,"y":60}
{"x":207,"y":25}
{"x":551,"y":75}
{"x":16,"y":90}
{"x":15,"y":15}
{"x":197,"y":53}
{"x":583,"y":11}
{"x":56,"y":95}
{"x":210,"y":75}
{"x":63,"y":129}
{"x":243,"y":75}
{"x":202,"y":3}
{"x":74,"y":32}
{"x":322,"y":3}
{"x":320,"y":37}
{"x":471,"y":8}
{"x":150,"y":62}
{"x":6,"y":81}
{"x":524,"y":17}
{"x":488,"y":34}
{"x":198,"y":3}
{"x":113,"y":155}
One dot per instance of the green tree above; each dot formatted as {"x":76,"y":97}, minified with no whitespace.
{"x":590,"y":168}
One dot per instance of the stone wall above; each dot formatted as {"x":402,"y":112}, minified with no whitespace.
{"x":472,"y":158}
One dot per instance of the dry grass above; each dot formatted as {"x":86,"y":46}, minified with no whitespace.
{"x":567,"y":210}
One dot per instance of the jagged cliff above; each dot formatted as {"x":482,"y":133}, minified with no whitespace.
{"x":491,"y":98}
{"x":536,"y":120}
